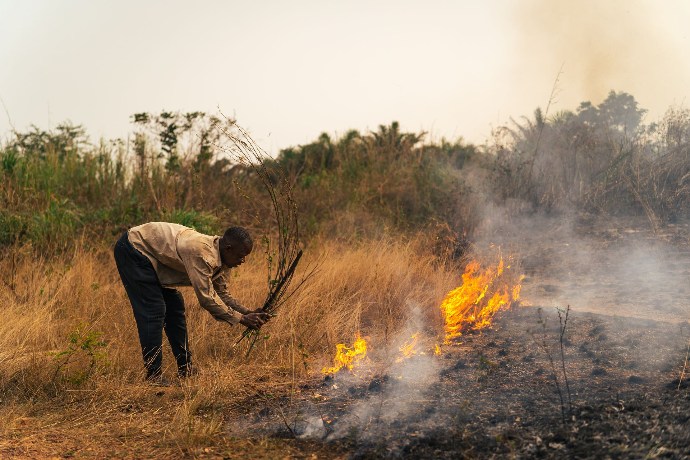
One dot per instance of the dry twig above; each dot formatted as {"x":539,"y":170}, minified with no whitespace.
{"x":281,"y":268}
{"x":685,"y":366}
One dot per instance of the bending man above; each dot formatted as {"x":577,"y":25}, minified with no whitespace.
{"x":155,"y":257}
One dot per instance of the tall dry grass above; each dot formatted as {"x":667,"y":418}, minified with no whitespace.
{"x":77,"y":303}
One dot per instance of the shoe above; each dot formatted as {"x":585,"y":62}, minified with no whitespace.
{"x":187,"y":371}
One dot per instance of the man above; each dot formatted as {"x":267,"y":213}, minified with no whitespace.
{"x":153,"y":258}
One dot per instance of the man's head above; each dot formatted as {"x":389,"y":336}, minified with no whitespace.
{"x":235,"y":245}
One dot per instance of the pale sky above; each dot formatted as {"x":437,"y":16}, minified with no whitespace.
{"x":289,"y":70}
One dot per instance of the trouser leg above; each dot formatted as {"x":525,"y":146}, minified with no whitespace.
{"x":148,"y":304}
{"x":176,"y":330}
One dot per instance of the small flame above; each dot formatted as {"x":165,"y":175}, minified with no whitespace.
{"x":517,"y":288}
{"x":437,"y":350}
{"x":409,"y":348}
{"x":347,"y":357}
{"x":466,"y":307}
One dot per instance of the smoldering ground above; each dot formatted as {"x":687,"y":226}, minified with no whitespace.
{"x":493,"y":393}
{"x":614,"y":267}
{"x":391,"y":388}
{"x":394,"y":388}
{"x":619,"y":268}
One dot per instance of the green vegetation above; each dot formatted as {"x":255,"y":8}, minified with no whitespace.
{"x":56,"y":185}
{"x":84,"y":353}
{"x":600,"y":158}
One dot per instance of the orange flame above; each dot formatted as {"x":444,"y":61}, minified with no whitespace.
{"x":409,"y":348}
{"x":517,"y":288}
{"x":465,"y":307}
{"x":347,"y":357}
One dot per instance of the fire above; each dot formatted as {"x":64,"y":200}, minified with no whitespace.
{"x":516,"y":289}
{"x":466,"y":307}
{"x":347,"y":357}
{"x":409,"y":348}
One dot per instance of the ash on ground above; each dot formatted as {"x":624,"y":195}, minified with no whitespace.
{"x":494,"y":393}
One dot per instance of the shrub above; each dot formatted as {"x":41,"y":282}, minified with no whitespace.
{"x":200,"y":221}
{"x":11,"y":228}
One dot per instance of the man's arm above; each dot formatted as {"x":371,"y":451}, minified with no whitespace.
{"x":200,"y":274}
{"x":249,"y":318}
{"x":220,"y":286}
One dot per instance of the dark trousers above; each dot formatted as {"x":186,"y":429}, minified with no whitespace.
{"x":155,"y":309}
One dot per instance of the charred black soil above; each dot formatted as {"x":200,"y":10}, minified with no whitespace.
{"x":494,"y":395}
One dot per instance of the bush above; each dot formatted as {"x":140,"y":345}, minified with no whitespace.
{"x":56,"y":227}
{"x":200,"y":221}
{"x":11,"y":228}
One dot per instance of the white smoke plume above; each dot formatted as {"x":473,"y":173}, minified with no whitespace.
{"x":388,"y":390}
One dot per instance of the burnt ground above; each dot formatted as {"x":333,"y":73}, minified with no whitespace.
{"x":508,"y":392}
{"x":494,"y":395}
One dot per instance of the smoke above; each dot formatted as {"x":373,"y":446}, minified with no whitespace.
{"x":610,"y":45}
{"x":392,"y":390}
{"x":611,"y":267}
{"x":631,"y":277}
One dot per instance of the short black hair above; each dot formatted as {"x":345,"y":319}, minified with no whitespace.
{"x":239,"y":235}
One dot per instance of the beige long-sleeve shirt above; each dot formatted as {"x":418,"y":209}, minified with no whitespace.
{"x":182,"y":256}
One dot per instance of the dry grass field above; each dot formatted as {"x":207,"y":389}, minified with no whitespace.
{"x":71,"y":373}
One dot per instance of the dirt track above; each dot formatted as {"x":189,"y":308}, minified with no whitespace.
{"x":618,"y":270}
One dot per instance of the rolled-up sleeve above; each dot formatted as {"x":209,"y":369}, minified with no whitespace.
{"x":201,"y":276}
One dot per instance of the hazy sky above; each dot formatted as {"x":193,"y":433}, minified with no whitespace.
{"x":289,"y":70}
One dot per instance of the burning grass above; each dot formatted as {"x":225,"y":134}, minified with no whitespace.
{"x":470,"y":306}
{"x":347,"y":357}
{"x":483,"y":292}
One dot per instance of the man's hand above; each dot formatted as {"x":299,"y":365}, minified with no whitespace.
{"x":255,"y":319}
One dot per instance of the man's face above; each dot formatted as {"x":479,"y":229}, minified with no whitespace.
{"x":233,"y":255}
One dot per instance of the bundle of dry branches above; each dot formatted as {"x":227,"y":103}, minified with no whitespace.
{"x":283,"y":260}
